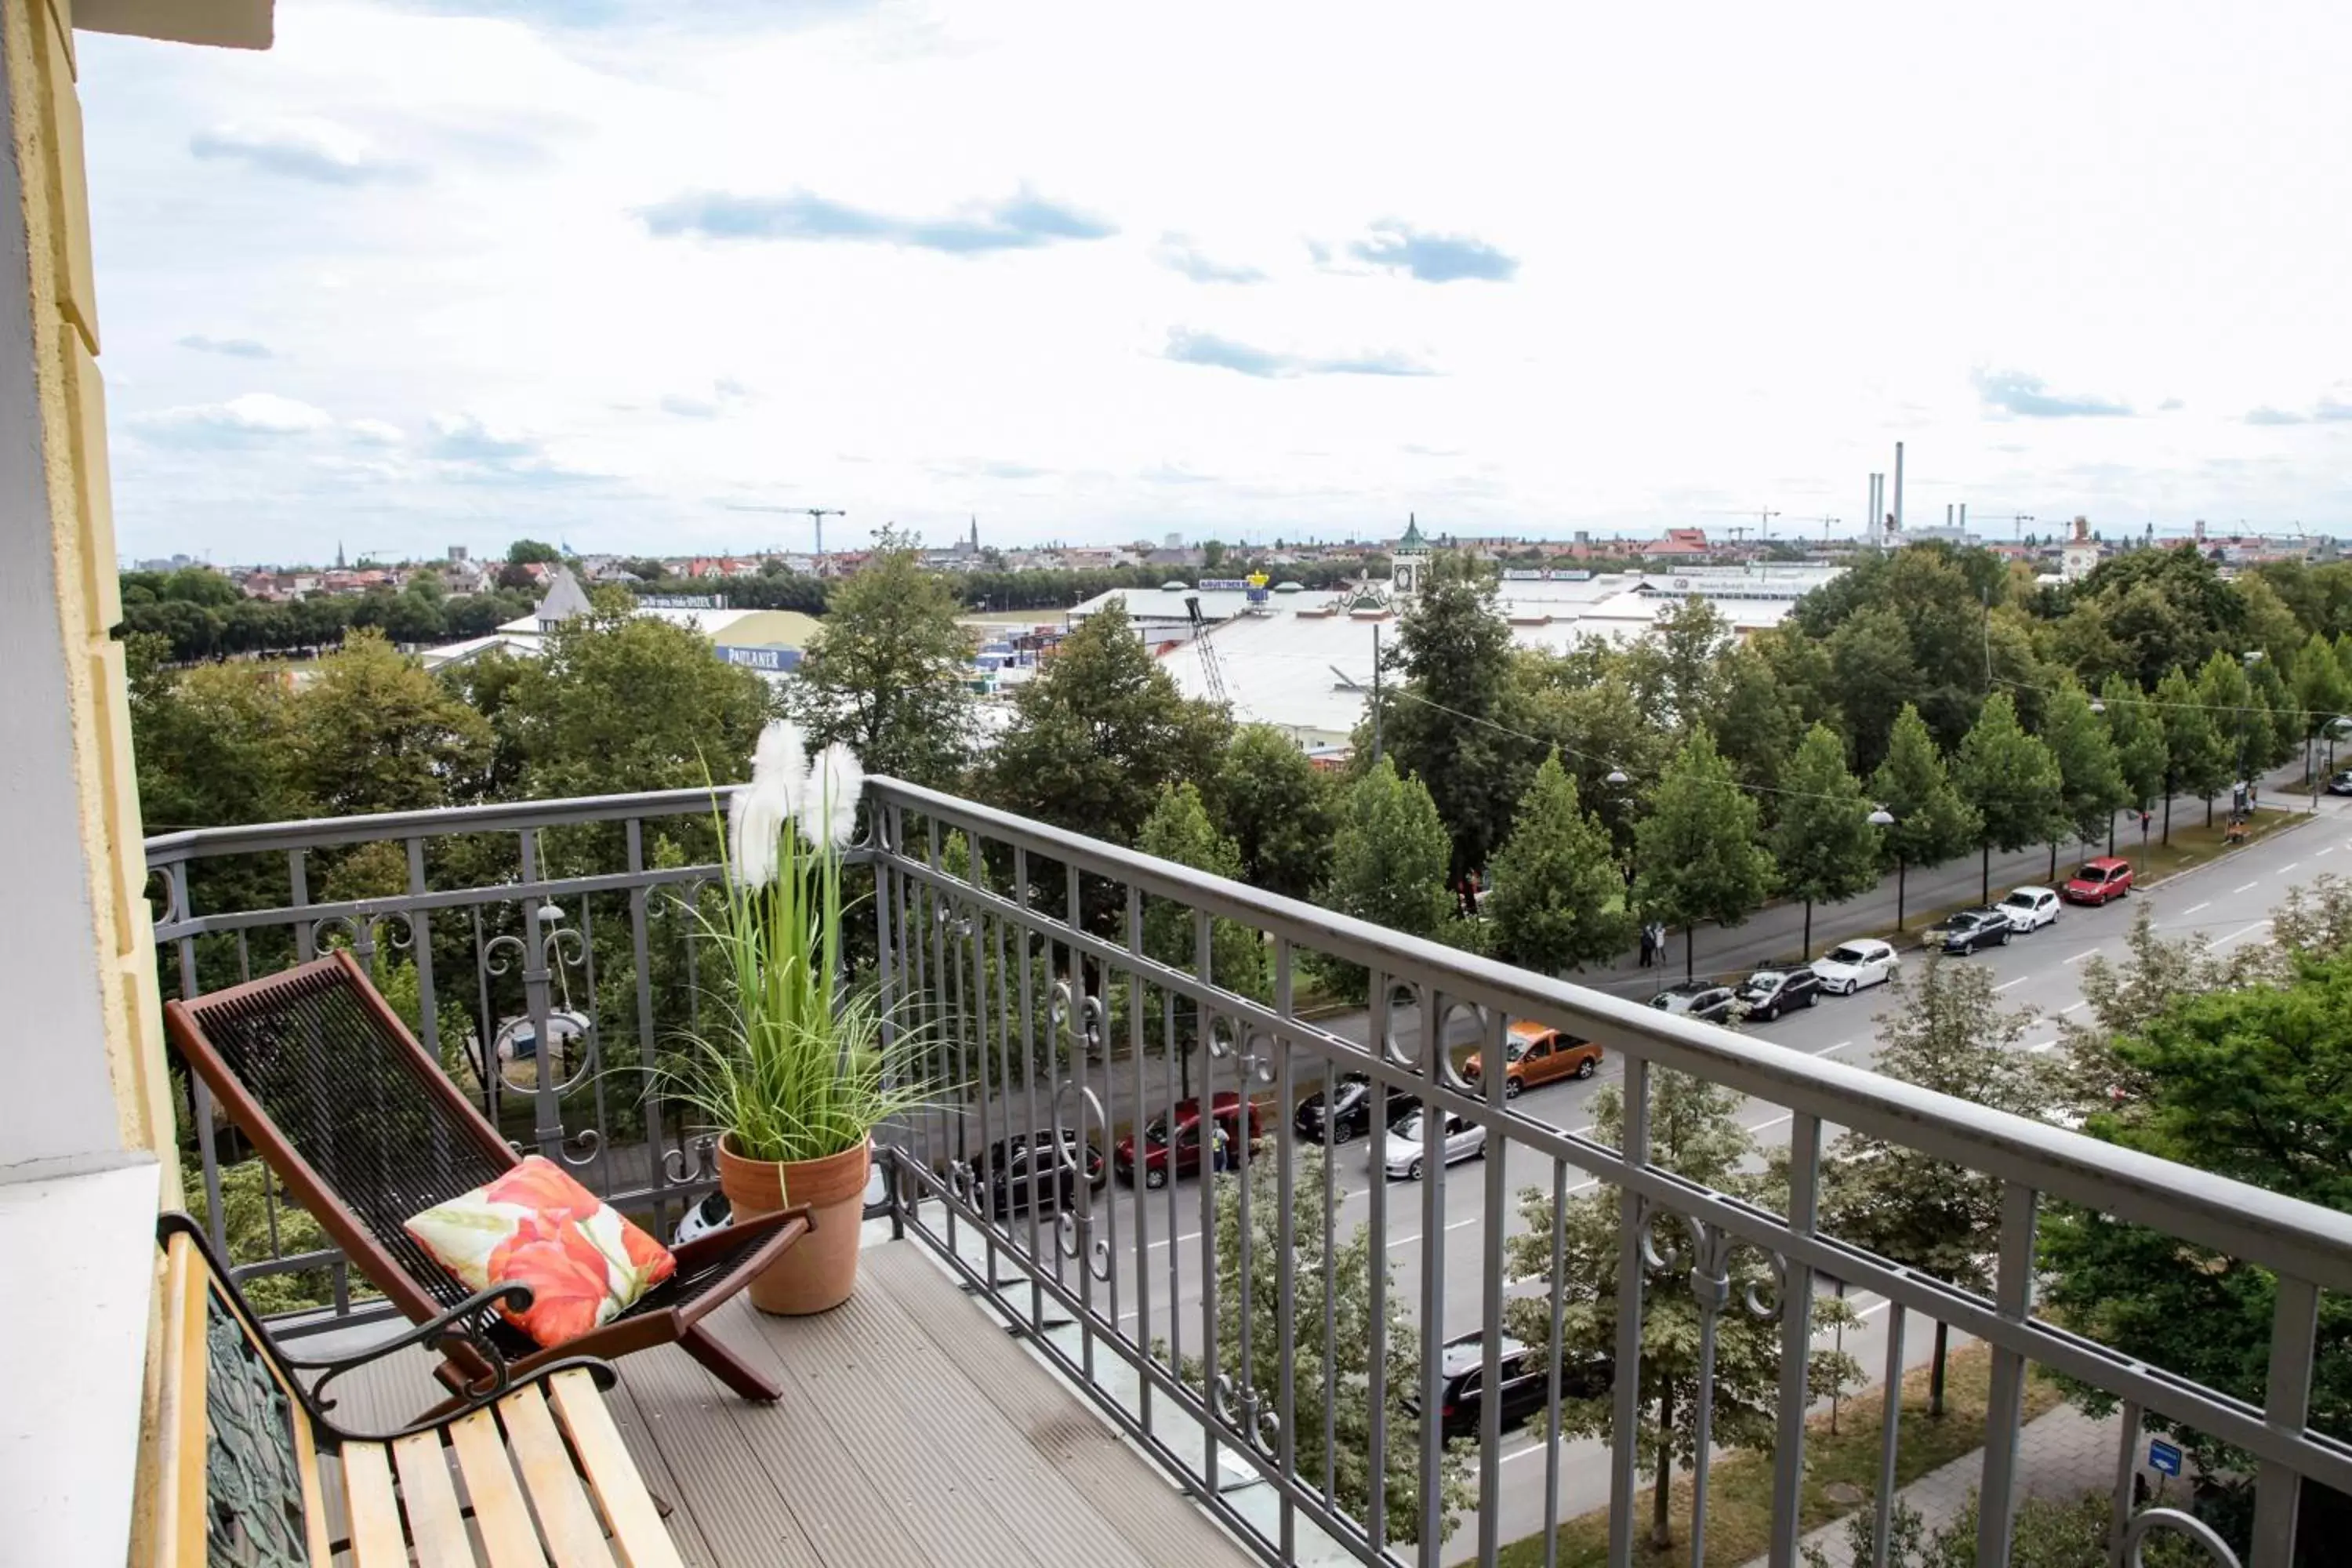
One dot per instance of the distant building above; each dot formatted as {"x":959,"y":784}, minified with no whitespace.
{"x":2079,"y":556}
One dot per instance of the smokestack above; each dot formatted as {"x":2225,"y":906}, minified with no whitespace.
{"x":1964,"y":517}
{"x":1869,"y":514}
{"x":1947,"y":517}
{"x":1899,"y":486}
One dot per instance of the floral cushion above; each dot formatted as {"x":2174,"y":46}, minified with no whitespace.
{"x":585,"y":1264}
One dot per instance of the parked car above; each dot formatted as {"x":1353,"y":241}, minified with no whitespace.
{"x":1180,"y":1147}
{"x":1768,"y":992}
{"x":1971,"y":930}
{"x":2030,"y":908}
{"x":2098,"y":881}
{"x":1525,"y":1381}
{"x":1851,"y":966}
{"x":1536,"y":1054}
{"x":1405,"y":1153}
{"x":2341,"y":783}
{"x":1697,"y":999}
{"x":1011,"y":1169}
{"x":1349,"y":1114}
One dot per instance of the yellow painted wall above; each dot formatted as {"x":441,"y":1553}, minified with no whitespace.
{"x":37,"y":44}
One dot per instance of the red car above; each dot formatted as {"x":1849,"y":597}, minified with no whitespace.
{"x":1186,"y":1142}
{"x":2096,"y":882}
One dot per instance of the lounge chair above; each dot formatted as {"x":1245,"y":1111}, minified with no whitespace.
{"x":365,"y":1130}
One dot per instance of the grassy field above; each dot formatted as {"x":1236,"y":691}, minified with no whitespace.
{"x":1739,"y":1491}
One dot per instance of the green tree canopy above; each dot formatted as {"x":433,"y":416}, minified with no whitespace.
{"x":1099,"y":733}
{"x":1557,"y":900}
{"x":1700,"y":861}
{"x":1932,"y":823}
{"x":1390,"y":856}
{"x":1876,"y":678}
{"x":1825,"y":843}
{"x":2136,"y":730}
{"x":890,"y":671}
{"x":2321,"y":687}
{"x":2090,"y":775}
{"x":1179,"y":829}
{"x":374,"y":732}
{"x":1279,"y":809}
{"x":1454,"y":649}
{"x":2011,"y":780}
{"x":2197,"y":758}
{"x":532,"y":551}
{"x":2235,"y":713}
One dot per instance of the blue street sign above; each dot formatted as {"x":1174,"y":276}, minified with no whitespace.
{"x":2163,"y":1458}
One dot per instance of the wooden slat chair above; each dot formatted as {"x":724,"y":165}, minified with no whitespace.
{"x":237,"y":1479}
{"x":365,"y":1130}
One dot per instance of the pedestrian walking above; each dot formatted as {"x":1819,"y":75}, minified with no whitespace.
{"x":1657,"y":930}
{"x":1649,"y":948}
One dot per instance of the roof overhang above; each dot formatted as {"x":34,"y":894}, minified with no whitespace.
{"x":228,"y":24}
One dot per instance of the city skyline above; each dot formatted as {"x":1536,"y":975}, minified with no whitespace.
{"x":654,"y":285}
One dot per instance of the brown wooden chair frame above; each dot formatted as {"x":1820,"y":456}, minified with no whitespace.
{"x":752,"y":1243}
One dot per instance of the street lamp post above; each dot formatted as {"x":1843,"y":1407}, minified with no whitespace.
{"x":1882,"y":817}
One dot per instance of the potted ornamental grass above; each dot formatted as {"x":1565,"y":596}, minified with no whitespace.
{"x":798,"y":1070}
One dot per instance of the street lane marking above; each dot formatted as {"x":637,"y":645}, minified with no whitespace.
{"x":2194,"y":908}
{"x":2325,"y":849}
{"x":1831,"y":1050}
{"x":2242,"y":931}
{"x":2245,"y":887}
{"x":2042,"y":1046}
{"x":2285,"y":869}
{"x":2007,"y":984}
{"x":1775,"y":1121}
{"x":2081,"y":955}
{"x":2072,"y":1007}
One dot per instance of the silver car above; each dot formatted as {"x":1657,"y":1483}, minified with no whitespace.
{"x":1405,"y":1151}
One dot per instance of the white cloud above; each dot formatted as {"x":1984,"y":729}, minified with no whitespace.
{"x":375,"y":432}
{"x":1640,"y":317}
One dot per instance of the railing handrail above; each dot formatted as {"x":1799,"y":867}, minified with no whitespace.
{"x":326,"y":832}
{"x":2288,"y":1233}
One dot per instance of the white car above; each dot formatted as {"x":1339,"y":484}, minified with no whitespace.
{"x":2030,"y":908}
{"x":1406,"y":1152}
{"x":1851,"y":966}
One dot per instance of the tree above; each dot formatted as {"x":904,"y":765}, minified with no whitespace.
{"x":621,"y":703}
{"x":2252,"y":1082}
{"x":1679,"y":667}
{"x":2090,"y":777}
{"x":531,"y":553}
{"x":1825,"y":843}
{"x":1558,"y":901}
{"x":891,"y":670}
{"x":1341,"y":1364}
{"x":1695,"y":1134}
{"x":2275,"y":731}
{"x":1876,"y":678}
{"x":2321,"y":689}
{"x":375,"y":733}
{"x":213,"y":745}
{"x":1099,"y":733}
{"x":2197,"y":759}
{"x":1278,"y":807}
{"x":2011,"y":780}
{"x":2228,"y":696}
{"x":1388,"y":857}
{"x":2136,"y":730}
{"x":1756,"y":722}
{"x":1179,"y":829}
{"x":1947,"y":1033}
{"x":1932,"y":823}
{"x":1699,"y":858}
{"x":1454,"y":649}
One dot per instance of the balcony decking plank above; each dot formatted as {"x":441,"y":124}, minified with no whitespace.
{"x":1164,"y":1530}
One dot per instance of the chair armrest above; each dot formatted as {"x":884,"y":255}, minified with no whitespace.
{"x":450,"y":1412}
{"x":468,"y":1323}
{"x":740,"y":1237}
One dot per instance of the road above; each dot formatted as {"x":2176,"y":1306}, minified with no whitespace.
{"x":2229,"y":901}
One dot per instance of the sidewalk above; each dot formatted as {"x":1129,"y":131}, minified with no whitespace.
{"x":2064,"y":1454}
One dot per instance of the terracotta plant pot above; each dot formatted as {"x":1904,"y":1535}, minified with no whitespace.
{"x":817,"y":1272}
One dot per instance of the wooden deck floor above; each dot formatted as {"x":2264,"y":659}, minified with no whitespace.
{"x":912,"y":1430}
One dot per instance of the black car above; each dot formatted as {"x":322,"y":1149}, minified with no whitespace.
{"x":1350,"y":1113}
{"x":1697,"y":999}
{"x":1525,"y":1383}
{"x":1768,"y":992}
{"x":1012,"y":1170}
{"x":1973,"y":928}
{"x":2341,"y":783}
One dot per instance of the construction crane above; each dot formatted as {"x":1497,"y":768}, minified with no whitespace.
{"x":818,"y":514}
{"x":1763,"y":516}
{"x":1827,"y":523}
{"x":1210,"y":671}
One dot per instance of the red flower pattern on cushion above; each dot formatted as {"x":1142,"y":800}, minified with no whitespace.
{"x":566,"y":1275}
{"x":534,"y":1225}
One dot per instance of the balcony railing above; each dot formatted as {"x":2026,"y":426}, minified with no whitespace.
{"x":1059,"y":985}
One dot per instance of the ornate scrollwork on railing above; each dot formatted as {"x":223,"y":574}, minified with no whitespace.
{"x":1246,"y":1412}
{"x":1764,"y":1299}
{"x":363,"y":930}
{"x":705,"y":1148}
{"x":1073,"y":1231}
{"x":1402,"y":997}
{"x":2147,"y":1522}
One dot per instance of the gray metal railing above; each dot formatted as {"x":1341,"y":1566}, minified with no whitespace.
{"x":1066,"y":986}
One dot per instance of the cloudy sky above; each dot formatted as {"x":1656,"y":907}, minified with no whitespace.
{"x":435,"y":273}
